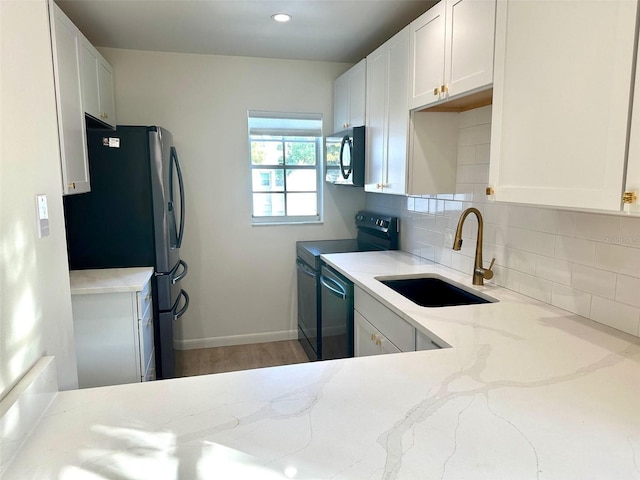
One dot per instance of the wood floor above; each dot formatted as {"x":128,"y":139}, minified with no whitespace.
{"x":238,"y":357}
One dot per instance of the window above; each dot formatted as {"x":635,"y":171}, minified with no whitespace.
{"x":286,"y":167}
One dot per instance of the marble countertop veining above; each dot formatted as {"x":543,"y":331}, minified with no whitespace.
{"x":109,"y":280}
{"x":526,"y":391}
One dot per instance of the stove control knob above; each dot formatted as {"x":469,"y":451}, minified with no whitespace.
{"x":359,"y":217}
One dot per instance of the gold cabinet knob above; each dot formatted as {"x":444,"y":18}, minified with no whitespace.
{"x":444,"y":88}
{"x":488,"y":191}
{"x":436,"y":91}
{"x":72,"y":186}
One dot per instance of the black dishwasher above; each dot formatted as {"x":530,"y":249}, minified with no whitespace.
{"x":336,"y":314}
{"x":325,"y":297}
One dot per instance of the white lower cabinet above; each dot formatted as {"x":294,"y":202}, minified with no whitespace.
{"x":378,"y":330}
{"x":369,"y":340}
{"x":114,"y":337}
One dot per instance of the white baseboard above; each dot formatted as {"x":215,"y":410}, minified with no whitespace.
{"x":235,"y":340}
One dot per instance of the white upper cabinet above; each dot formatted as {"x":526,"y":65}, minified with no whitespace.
{"x":406,"y":154}
{"x":632,"y":190}
{"x":349,"y":91}
{"x":97,"y":84}
{"x":387,"y":116}
{"x":563,"y":76}
{"x":451,"y":51}
{"x":65,"y":40}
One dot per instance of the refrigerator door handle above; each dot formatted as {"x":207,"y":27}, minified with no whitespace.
{"x":182,"y":274}
{"x":178,"y":313}
{"x":174,"y":156}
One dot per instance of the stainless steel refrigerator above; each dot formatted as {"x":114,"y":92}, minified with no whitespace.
{"x":134,"y":216}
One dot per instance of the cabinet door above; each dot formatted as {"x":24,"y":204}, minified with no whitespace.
{"x":427,"y":44}
{"x":105,"y":330}
{"x":470,"y":32}
{"x":71,"y":126}
{"x":633,"y":162}
{"x":397,"y":114}
{"x":376,"y":138}
{"x":561,"y":102}
{"x":369,"y":341}
{"x":357,"y":93}
{"x":97,"y":84}
{"x":105,"y":83}
{"x":89,"y":68}
{"x":341,"y":102}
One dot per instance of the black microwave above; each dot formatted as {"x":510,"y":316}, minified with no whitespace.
{"x":344,"y":153}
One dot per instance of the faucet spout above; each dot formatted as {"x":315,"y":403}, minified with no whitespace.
{"x":479,"y":272}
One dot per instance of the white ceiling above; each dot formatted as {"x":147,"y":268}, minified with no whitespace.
{"x":329,"y":30}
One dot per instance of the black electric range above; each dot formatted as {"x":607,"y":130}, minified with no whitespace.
{"x":325,"y":298}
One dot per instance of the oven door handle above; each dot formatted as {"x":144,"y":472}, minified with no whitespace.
{"x":336,"y":288}
{"x":304,"y":268}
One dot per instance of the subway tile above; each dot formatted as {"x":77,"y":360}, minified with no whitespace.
{"x":535,"y":287}
{"x":461,"y":263}
{"x":443,"y":256}
{"x":464,"y":196}
{"x":452,"y":208}
{"x":523,"y":217}
{"x":421,"y":205}
{"x":575,"y":250}
{"x":483,"y":114}
{"x":468,"y":118}
{"x":600,"y":228}
{"x":476,"y":173}
{"x":557,"y":221}
{"x":628,"y":290}
{"x":618,"y":258}
{"x":531,"y":241}
{"x":615,"y":314}
{"x":574,"y":301}
{"x":630,"y":232}
{"x":466,"y":155}
{"x":554,"y":270}
{"x":483,"y":154}
{"x":496,"y":213}
{"x":474,"y":135}
{"x":445,"y":196}
{"x":520,"y":261}
{"x":593,"y":280}
{"x":411,"y":203}
{"x":510,"y":279}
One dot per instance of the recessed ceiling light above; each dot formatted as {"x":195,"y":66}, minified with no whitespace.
{"x":281,"y":17}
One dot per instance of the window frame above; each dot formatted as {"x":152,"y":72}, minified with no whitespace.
{"x":287,"y":134}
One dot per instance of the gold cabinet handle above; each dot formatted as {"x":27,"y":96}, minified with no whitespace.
{"x":488,"y":191}
{"x":444,"y":88}
{"x":629,"y":197}
{"x":436,"y":91}
{"x":72,"y":186}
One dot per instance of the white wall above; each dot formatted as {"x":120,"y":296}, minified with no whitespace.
{"x":35,"y":301}
{"x":241,"y":278}
{"x":586,"y":263}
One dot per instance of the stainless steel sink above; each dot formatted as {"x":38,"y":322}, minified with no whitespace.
{"x":434,"y":291}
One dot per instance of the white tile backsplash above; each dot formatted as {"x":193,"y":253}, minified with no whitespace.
{"x":585,"y":263}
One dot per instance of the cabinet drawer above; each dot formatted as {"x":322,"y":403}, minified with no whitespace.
{"x":392,"y":326}
{"x":369,"y":341}
{"x":144,"y":300}
{"x":145,"y":330}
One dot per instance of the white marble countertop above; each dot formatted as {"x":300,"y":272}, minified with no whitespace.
{"x":527,"y":391}
{"x":109,"y":280}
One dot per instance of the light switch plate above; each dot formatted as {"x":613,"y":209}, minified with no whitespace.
{"x":42,"y":215}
